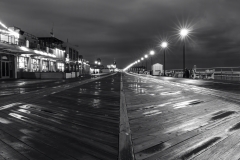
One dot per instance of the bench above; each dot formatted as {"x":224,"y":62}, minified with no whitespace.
{"x":207,"y":74}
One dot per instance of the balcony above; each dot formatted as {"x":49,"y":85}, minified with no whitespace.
{"x":8,"y":39}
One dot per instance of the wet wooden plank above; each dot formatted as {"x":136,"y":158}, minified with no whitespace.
{"x":1,"y":158}
{"x":35,"y":144}
{"x":221,"y":149}
{"x":7,"y":152}
{"x":89,"y":125}
{"x":22,"y":148}
{"x":58,"y":141}
{"x":149,"y":128}
{"x":171,"y":135}
{"x":87,"y":137}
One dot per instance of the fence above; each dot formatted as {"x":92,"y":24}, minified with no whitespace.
{"x":221,"y":73}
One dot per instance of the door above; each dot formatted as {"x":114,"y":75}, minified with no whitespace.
{"x":5,"y":69}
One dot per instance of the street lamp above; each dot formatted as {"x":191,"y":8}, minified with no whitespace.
{"x":151,"y":53}
{"x":142,"y":62}
{"x":138,"y":61}
{"x":146,"y":56}
{"x":184,"y":33}
{"x":135,"y":65}
{"x":164,"y":46}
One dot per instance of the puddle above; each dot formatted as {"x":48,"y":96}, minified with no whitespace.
{"x":152,"y":113}
{"x":187,"y":103}
{"x":222,"y":115}
{"x":4,"y":121}
{"x":25,"y":106}
{"x":235,"y":127}
{"x":47,"y":111}
{"x":154,"y":149}
{"x":96,"y":103}
{"x":170,"y":93}
{"x":18,"y":116}
{"x":24,"y":111}
{"x":9,"y":106}
{"x":219,"y":112}
{"x":200,"y":147}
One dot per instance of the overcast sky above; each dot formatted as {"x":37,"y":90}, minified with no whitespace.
{"x":128,"y":29}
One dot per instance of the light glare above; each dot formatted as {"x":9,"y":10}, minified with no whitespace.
{"x":164,"y":44}
{"x":184,"y":32}
{"x":152,"y":52}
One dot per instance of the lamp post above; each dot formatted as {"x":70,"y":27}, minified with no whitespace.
{"x":146,"y":56}
{"x":151,"y":53}
{"x":142,"y":62}
{"x":164,"y":46}
{"x":138,"y":66}
{"x":96,"y":62}
{"x":135,"y":66}
{"x":183,"y":33}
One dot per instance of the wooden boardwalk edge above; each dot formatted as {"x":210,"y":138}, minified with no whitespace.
{"x":125,"y":139}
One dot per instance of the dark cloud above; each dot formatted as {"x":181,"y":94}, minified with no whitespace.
{"x":128,"y":29}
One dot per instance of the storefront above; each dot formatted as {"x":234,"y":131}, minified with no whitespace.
{"x":22,"y":63}
{"x":6,"y":66}
{"x":35,"y":65}
{"x":60,"y":67}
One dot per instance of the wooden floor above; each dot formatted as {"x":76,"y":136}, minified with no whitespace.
{"x":171,"y":120}
{"x":79,"y":120}
{"x":163,"y":119}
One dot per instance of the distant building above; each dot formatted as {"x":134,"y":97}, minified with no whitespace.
{"x":23,"y":55}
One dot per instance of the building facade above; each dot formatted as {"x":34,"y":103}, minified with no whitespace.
{"x":23,"y":55}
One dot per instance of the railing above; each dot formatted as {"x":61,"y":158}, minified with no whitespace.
{"x":8,"y":39}
{"x":22,"y":42}
{"x":33,"y":45}
{"x":221,"y":73}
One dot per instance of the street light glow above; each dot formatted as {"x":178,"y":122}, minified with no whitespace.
{"x":142,"y":58}
{"x":152,"y":52}
{"x":184,"y":32}
{"x":164,"y":44}
{"x":138,"y":60}
{"x":146,"y":56}
{"x":96,"y":62}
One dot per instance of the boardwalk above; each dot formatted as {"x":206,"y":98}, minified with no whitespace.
{"x":78,"y":120}
{"x":119,"y":116}
{"x":172,"y":120}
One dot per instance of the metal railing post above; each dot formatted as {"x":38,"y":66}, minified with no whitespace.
{"x":221,"y":73}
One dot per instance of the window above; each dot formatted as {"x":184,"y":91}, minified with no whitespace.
{"x":22,"y":63}
{"x":60,"y":67}
{"x":77,"y":55}
{"x":52,"y":66}
{"x":45,"y":66}
{"x":35,"y":65}
{"x":77,"y":68}
{"x":70,"y":53}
